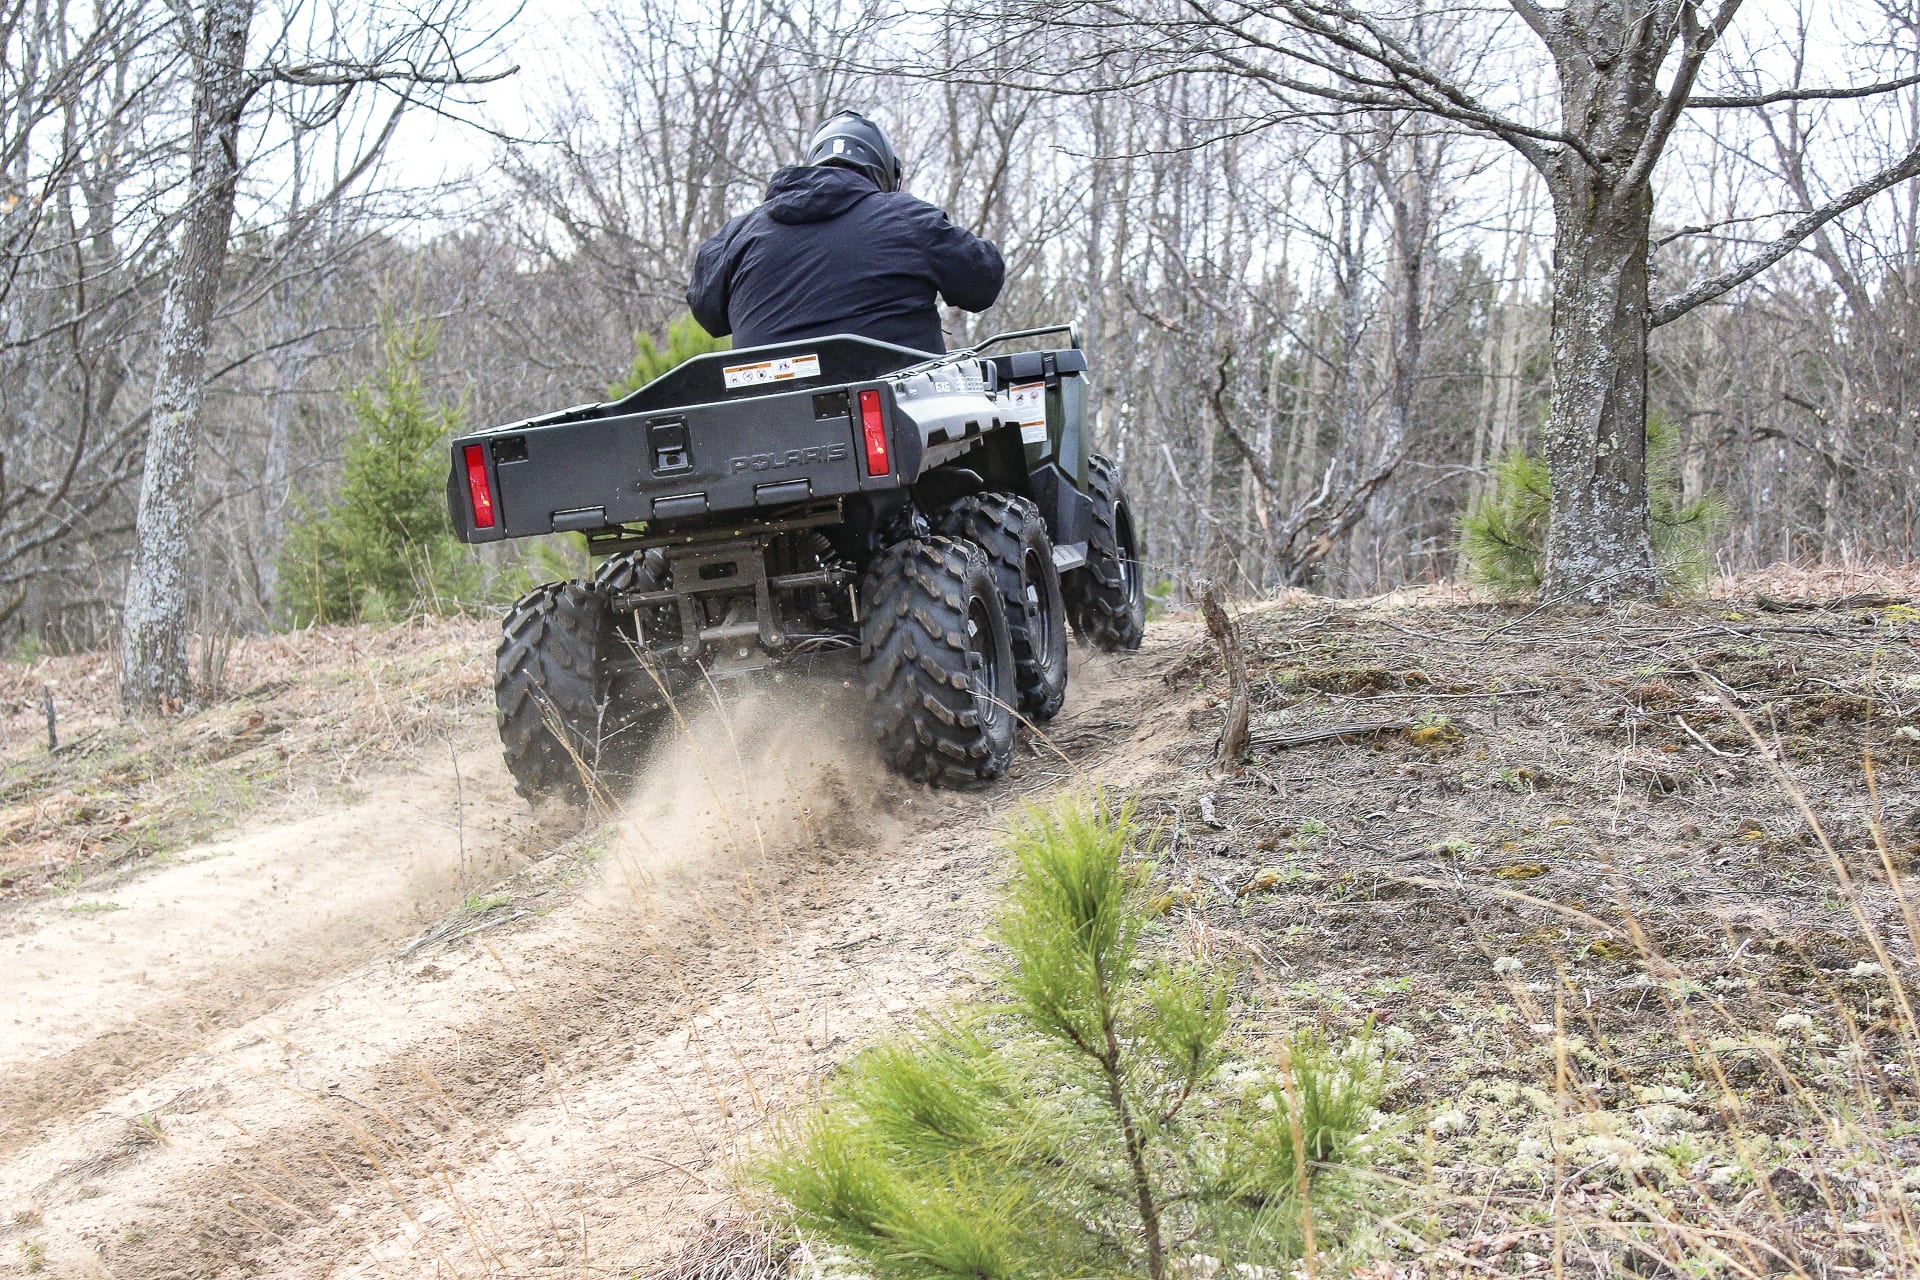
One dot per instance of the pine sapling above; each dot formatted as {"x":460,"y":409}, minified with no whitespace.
{"x":685,"y":340}
{"x":384,"y":547}
{"x":1503,"y":533}
{"x":1095,"y":1115}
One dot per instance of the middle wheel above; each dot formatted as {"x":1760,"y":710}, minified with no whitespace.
{"x":1009,"y":528}
{"x":939,"y":670}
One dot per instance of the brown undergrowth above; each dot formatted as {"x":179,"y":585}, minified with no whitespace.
{"x":301,"y":712}
{"x":1625,"y":894}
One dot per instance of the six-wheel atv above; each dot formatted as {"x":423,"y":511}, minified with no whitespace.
{"x":776,"y":506}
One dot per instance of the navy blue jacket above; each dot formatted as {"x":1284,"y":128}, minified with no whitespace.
{"x":829,"y":252}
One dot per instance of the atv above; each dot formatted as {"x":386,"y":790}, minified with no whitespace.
{"x":776,"y":507}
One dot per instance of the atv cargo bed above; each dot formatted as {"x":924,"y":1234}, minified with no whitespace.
{"x":744,"y":431}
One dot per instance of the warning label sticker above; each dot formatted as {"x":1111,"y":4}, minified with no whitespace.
{"x":785,"y":369}
{"x":1028,"y":401}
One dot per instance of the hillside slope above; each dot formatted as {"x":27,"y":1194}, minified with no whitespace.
{"x":1642,"y":966}
{"x":396,"y":1023}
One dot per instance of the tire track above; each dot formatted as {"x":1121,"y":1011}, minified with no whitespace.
{"x":568,"y":1095}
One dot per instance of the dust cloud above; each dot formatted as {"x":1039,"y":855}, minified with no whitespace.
{"x":752,"y":771}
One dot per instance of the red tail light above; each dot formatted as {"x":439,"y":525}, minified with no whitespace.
{"x":478,"y":489}
{"x":873,"y":429}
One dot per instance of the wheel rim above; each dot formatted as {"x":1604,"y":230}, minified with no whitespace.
{"x":1128,"y":549}
{"x":983,"y":656}
{"x":1039,"y":616}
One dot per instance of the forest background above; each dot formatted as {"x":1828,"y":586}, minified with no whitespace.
{"x":1317,"y":328}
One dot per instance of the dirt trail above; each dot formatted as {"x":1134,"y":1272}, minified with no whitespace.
{"x":244,"y":1070}
{"x":128,"y":977}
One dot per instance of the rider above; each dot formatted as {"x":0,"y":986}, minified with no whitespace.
{"x":839,"y":248}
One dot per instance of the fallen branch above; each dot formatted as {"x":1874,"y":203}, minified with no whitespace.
{"x":1862,"y":600}
{"x":1330,"y":732}
{"x":1695,"y":735}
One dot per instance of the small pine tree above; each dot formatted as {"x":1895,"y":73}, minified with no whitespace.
{"x":685,"y":340}
{"x":1095,"y":1116}
{"x":384,"y":547}
{"x":1503,"y":533}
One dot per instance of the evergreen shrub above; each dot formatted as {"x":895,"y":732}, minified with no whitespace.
{"x":383,"y":547}
{"x":685,"y":340}
{"x":1094,"y":1114}
{"x":1503,"y":533}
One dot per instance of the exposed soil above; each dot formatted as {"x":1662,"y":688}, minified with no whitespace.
{"x":288,"y":720}
{"x":417,"y":1030}
{"x":1626,"y":895}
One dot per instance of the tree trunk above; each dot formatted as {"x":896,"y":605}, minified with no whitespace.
{"x":153,"y":656}
{"x":1408,"y":172}
{"x":1599,"y":538}
{"x":275,"y":492}
{"x":1609,"y":55}
{"x":1599,"y":532}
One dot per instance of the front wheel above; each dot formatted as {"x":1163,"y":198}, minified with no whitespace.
{"x":1107,"y":596}
{"x":938,"y":662}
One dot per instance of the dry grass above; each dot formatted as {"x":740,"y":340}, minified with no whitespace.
{"x":731,"y":1246}
{"x":308,"y":711}
{"x":1820,"y":582}
{"x":1640,"y":934}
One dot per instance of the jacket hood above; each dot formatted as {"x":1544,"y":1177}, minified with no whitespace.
{"x":815,"y":193}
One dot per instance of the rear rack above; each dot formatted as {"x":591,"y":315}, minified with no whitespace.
{"x":1012,"y":335}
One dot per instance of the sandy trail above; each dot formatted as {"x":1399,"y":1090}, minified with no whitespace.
{"x":239,"y":1073}
{"x":115,"y":982}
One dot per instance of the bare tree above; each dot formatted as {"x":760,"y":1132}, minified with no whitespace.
{"x":1317,"y":321}
{"x":154,"y":671}
{"x":80,"y":179}
{"x":153,"y":656}
{"x":1597,"y":154}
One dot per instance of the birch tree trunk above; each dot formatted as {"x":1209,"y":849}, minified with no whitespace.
{"x":153,"y":654}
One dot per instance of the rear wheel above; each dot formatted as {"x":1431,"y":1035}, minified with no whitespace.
{"x":549,"y":690}
{"x":638,"y":573}
{"x":1011,"y":531}
{"x":569,"y":727}
{"x":631,"y":571}
{"x":938,"y":662}
{"x":1107,"y":596}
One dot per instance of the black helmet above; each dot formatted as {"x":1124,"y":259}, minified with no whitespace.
{"x":852,"y":141}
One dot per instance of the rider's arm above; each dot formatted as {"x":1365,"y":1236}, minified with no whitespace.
{"x":968,"y":270}
{"x":708,"y":291}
